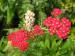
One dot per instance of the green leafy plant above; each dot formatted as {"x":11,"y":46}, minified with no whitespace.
{"x":12,"y":19}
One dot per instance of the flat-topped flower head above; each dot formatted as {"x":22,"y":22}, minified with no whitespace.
{"x":66,"y":22}
{"x":62,"y":32}
{"x":18,"y":38}
{"x":47,"y":22}
{"x":38,"y":30}
{"x":23,"y":46}
{"x":61,"y":27}
{"x":19,"y":35}
{"x":56,"y":23}
{"x":52,"y":30}
{"x":56,"y":12}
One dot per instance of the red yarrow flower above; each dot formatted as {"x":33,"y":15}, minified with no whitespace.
{"x":52,"y":30}
{"x":47,"y":22}
{"x":52,"y":22}
{"x":56,"y":12}
{"x":56,"y":23}
{"x":66,"y":22}
{"x":38,"y":30}
{"x":23,"y":46}
{"x":57,"y":26}
{"x":17,"y":37}
{"x":62,"y":32}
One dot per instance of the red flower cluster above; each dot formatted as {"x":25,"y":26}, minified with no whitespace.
{"x":63,"y":31}
{"x":37,"y":30}
{"x":56,"y":12}
{"x":59,"y":27}
{"x":47,"y":21}
{"x":18,"y":39}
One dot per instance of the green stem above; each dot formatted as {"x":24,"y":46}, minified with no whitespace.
{"x":44,"y":28}
{"x":6,"y":48}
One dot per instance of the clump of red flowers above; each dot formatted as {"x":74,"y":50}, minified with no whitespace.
{"x":61,"y":27}
{"x":19,"y":39}
{"x":37,"y":30}
{"x":56,"y":12}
